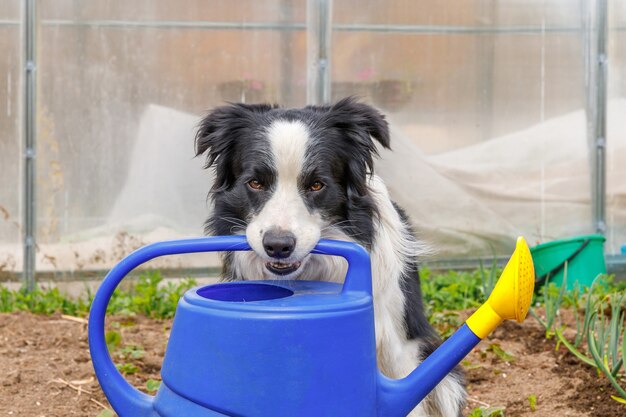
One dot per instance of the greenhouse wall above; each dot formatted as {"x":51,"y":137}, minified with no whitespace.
{"x":10,"y":136}
{"x":489,"y":105}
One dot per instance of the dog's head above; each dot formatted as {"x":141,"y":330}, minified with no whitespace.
{"x":287,"y":177}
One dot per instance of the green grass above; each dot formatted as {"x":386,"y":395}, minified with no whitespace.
{"x":148,"y":296}
{"x":42,"y":301}
{"x":445,"y":293}
{"x":452,"y":290}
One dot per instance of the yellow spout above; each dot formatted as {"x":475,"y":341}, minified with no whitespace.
{"x":511,"y":297}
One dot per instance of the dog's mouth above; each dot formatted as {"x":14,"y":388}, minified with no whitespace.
{"x":282,"y":268}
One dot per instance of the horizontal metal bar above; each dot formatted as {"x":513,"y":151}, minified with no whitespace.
{"x":6,"y":22}
{"x":167,"y":24}
{"x":373,"y":28}
{"x":616,"y":264}
{"x":454,"y":30}
{"x":464,"y":263}
{"x":98,"y":274}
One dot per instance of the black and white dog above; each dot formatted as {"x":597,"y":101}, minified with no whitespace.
{"x":286,"y":178}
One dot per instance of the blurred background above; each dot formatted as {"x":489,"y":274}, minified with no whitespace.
{"x":507,"y":116}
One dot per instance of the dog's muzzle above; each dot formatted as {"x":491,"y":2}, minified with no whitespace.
{"x":279,"y":244}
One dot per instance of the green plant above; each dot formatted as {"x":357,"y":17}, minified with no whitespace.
{"x":581,"y":325}
{"x":489,"y":280}
{"x":446,"y":293}
{"x":41,"y":301}
{"x":113,"y":339}
{"x":601,"y":326}
{"x":457,"y":290}
{"x":127,"y":368}
{"x":148,"y":296}
{"x":131,"y":352}
{"x":552,"y":298}
{"x":603,"y":341}
{"x":500,"y":353}
{"x":152,"y":385}
{"x":446,"y":322}
{"x":106,"y":413}
{"x":487,"y":412}
{"x":467,"y":365}
{"x":532,"y":401}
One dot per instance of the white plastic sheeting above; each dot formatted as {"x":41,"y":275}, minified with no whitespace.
{"x":471,"y":201}
{"x":533,"y":182}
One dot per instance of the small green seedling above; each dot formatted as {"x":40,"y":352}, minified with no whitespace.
{"x":131,"y":352}
{"x":113,"y":339}
{"x":106,"y":413}
{"x":487,"y":412}
{"x":469,"y":366}
{"x":127,"y":368}
{"x":152,"y":385}
{"x":502,"y":354}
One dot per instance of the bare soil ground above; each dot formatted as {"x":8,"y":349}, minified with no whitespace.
{"x":46,"y":370}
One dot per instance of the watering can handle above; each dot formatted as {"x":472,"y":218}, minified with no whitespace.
{"x":127,"y":400}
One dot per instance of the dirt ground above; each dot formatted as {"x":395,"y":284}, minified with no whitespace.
{"x":46,"y":370}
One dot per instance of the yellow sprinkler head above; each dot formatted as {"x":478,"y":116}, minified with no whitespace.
{"x":511,"y":297}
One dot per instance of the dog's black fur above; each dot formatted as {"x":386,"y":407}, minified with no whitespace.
{"x":339,"y":154}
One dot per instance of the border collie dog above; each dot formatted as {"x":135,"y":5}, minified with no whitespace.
{"x":286,"y":178}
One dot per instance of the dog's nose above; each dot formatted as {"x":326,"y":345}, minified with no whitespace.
{"x":279,"y":244}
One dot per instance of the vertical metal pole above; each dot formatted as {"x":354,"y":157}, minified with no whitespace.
{"x":29,"y":227}
{"x":599,"y":122}
{"x":286,"y":96}
{"x":594,"y":16}
{"x":319,"y":30}
{"x":485,"y":56}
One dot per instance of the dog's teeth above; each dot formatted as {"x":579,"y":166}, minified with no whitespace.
{"x":282,"y":266}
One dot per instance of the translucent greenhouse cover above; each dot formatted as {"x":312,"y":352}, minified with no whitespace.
{"x":486,"y":102}
{"x":466,"y":201}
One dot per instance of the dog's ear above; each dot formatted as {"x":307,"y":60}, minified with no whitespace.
{"x":361,"y":123}
{"x":219,"y":129}
{"x":218,"y":134}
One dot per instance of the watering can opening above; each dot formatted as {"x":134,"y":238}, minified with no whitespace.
{"x":243,"y":292}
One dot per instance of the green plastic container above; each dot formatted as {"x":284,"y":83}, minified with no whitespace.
{"x":586,"y":260}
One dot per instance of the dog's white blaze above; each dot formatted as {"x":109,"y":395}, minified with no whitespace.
{"x":286,"y":209}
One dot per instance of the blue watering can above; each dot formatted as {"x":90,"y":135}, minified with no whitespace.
{"x":285,"y":348}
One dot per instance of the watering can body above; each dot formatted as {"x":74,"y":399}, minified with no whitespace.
{"x":297,"y":354}
{"x":273,"y":348}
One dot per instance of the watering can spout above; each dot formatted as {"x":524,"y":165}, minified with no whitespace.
{"x":511,"y":296}
{"x":510,"y":299}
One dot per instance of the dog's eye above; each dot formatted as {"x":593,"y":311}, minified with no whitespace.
{"x":316,"y":186}
{"x":255,"y":185}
